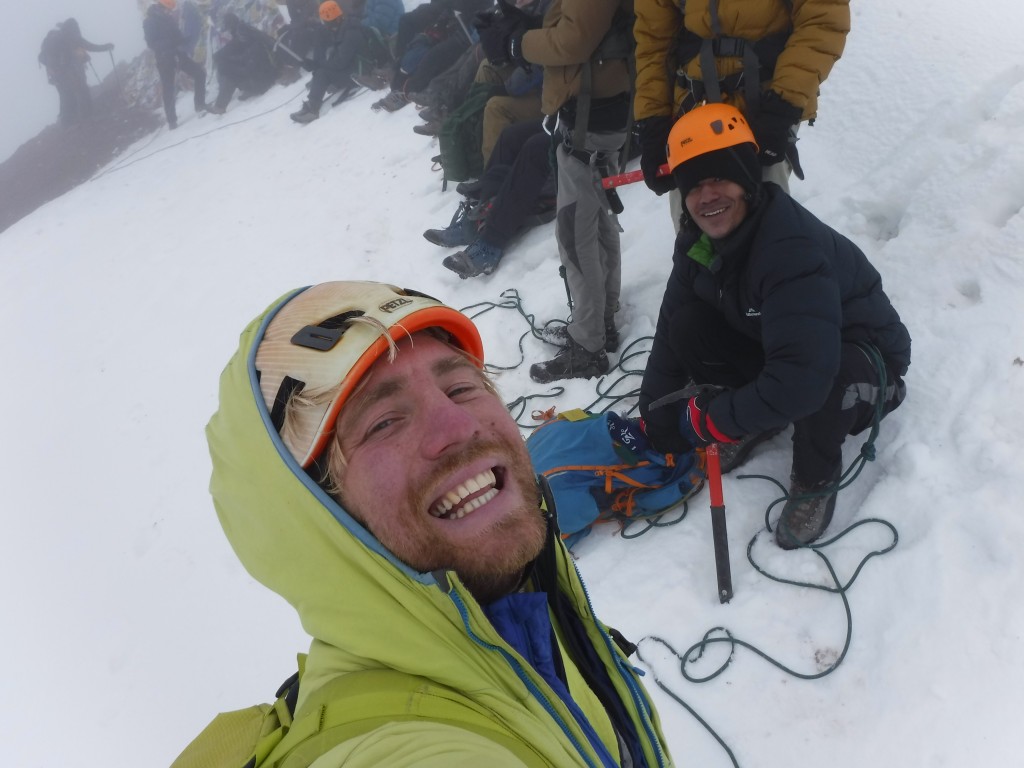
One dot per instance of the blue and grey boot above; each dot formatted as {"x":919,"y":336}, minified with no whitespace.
{"x":480,"y":258}
{"x":461,"y":231}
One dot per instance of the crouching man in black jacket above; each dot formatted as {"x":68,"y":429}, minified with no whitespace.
{"x":779,"y":317}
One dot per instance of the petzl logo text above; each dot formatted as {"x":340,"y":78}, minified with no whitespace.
{"x":394,"y":304}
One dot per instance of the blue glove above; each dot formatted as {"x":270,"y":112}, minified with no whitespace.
{"x":695,"y":423}
{"x":629,"y":438}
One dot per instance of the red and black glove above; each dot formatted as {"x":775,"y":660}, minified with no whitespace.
{"x":654,"y":153}
{"x":695,"y":422}
{"x":773,"y":128}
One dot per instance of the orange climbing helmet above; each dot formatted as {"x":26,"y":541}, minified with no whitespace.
{"x":705,"y":129}
{"x":330,"y":10}
{"x":713,"y":141}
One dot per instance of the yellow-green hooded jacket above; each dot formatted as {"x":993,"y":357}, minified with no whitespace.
{"x":407,"y":662}
{"x":819,"y":29}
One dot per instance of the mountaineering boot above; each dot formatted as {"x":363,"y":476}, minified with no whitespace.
{"x":572,"y":362}
{"x":307,"y":114}
{"x":393,"y":102}
{"x":216,"y":109}
{"x":431,"y":114}
{"x":558,"y":334}
{"x":470,"y":188}
{"x":807,"y":512}
{"x":733,"y":455}
{"x":480,"y":258}
{"x":424,"y":100}
{"x":427,"y":129}
{"x":462,"y":230}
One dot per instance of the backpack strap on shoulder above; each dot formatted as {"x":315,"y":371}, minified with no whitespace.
{"x":359,"y":702}
{"x":244,"y":737}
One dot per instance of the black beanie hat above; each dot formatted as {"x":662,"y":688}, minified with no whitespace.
{"x":738,"y":163}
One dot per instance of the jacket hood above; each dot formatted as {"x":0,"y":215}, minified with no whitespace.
{"x":288,"y":532}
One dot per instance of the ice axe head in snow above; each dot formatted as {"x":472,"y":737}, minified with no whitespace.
{"x":320,"y":341}
{"x":713,"y":141}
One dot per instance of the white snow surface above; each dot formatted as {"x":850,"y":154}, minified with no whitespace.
{"x":128,"y":622}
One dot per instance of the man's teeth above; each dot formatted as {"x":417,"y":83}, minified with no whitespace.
{"x":714,"y":212}
{"x":453,"y":499}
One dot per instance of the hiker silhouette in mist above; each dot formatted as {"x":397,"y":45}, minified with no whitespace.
{"x":65,"y":54}
{"x":165,"y":38}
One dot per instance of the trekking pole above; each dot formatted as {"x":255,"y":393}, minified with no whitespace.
{"x":718,"y":528}
{"x":610,"y":182}
{"x":465,"y":29}
{"x":95,"y":74}
{"x":565,"y":280}
{"x":113,"y":68}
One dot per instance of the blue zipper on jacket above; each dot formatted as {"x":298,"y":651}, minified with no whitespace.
{"x":518,"y":669}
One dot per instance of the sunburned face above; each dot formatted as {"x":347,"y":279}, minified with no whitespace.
{"x":717,"y":206}
{"x":435,"y":468}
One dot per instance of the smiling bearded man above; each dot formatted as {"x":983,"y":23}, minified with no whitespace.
{"x":465,"y":498}
{"x":366,"y":470}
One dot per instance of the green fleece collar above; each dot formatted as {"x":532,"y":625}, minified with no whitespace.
{"x":702,"y":251}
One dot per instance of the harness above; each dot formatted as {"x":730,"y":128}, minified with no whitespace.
{"x":759,"y":58}
{"x":618,"y":43}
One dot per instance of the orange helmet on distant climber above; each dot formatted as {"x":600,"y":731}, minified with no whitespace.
{"x":330,"y":10}
{"x":169,"y":4}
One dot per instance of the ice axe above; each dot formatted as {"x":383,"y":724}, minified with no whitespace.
{"x":610,"y":182}
{"x":719,"y":533}
{"x":289,"y":51}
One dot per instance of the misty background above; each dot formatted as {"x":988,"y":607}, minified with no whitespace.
{"x":30,"y":102}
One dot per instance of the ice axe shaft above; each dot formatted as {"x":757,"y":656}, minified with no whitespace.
{"x":289,"y":51}
{"x":718,"y":528}
{"x":610,"y":182}
{"x":713,"y":467}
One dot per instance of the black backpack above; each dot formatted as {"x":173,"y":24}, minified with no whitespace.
{"x":51,"y":53}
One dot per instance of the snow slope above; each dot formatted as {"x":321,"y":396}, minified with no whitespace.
{"x":127,"y":620}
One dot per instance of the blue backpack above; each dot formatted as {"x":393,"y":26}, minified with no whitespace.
{"x":595,"y":478}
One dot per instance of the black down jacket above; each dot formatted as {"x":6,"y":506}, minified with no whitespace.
{"x":792,"y":283}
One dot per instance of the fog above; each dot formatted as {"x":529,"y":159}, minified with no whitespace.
{"x":30,"y":102}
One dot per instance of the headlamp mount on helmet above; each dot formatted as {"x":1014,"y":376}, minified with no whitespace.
{"x":322,"y":341}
